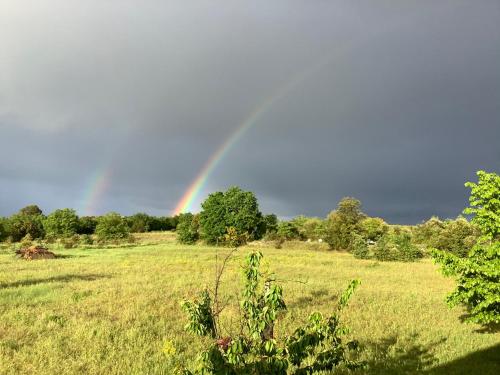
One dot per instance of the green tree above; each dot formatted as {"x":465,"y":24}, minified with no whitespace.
{"x":187,"y":228}
{"x":112,"y":227}
{"x":271,"y":223}
{"x":4,"y":228}
{"x":343,"y":223}
{"x":61,"y":223}
{"x":87,"y":225}
{"x":139,"y":223}
{"x":478,"y":275}
{"x":288,"y":231}
{"x":458,"y":237}
{"x":234,"y":208}
{"x":29,"y":220}
{"x":372,"y":228}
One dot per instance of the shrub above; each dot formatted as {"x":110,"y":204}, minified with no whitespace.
{"x":458,"y":237}
{"x":271,"y":223}
{"x":139,"y":223}
{"x":478,"y":275}
{"x":112,"y":227}
{"x":70,"y":242}
{"x":87,"y":225}
{"x":315,"y":347}
{"x":342,"y":223}
{"x":22,"y":224}
{"x":397,"y":247}
{"x":61,"y":223}
{"x":4,"y":233}
{"x":287,"y":231}
{"x":360,"y":248}
{"x":372,"y":228}
{"x":428,"y":233}
{"x":187,"y":229}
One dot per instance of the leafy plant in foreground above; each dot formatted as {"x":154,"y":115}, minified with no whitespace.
{"x":478,"y":275}
{"x":314,"y":347}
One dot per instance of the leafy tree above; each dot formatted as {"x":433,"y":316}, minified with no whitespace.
{"x":315,"y":347}
{"x":343,"y":223}
{"x":360,"y":247}
{"x":372,"y":228}
{"x":139,"y":223}
{"x":271,"y":223}
{"x":31,"y":210}
{"x":428,"y":233}
{"x":61,"y":223}
{"x":162,"y":223}
{"x":29,"y":220}
{"x":288,"y":231}
{"x":458,"y":237}
{"x":234,"y":208}
{"x":397,"y":246}
{"x":87,"y":225}
{"x":112,"y":227}
{"x":478,"y":275}
{"x":187,"y":229}
{"x":4,"y":228}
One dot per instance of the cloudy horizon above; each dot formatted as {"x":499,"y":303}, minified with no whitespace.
{"x":118,"y":105}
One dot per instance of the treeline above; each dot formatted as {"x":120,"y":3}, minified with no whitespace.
{"x":234,"y":216}
{"x":30,"y":223}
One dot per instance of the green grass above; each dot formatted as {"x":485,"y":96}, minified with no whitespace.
{"x":109,"y":311}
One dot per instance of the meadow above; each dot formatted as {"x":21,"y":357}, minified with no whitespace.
{"x":111,"y":310}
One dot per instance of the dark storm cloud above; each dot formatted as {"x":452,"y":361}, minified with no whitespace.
{"x":402,"y":113}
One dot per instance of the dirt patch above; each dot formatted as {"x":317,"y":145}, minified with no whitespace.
{"x":35,"y":252}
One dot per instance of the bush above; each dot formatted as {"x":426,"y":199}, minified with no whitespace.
{"x":372,"y":228}
{"x":315,"y":347}
{"x":343,"y":223}
{"x":139,"y":223}
{"x":61,"y":223}
{"x":360,"y":248}
{"x":397,"y":247}
{"x":112,"y":227}
{"x":478,"y":275}
{"x":187,"y":229}
{"x":457,"y":237}
{"x":70,"y":242}
{"x":4,"y":233}
{"x":87,"y":225}
{"x":287,"y":231}
{"x":21,"y":224}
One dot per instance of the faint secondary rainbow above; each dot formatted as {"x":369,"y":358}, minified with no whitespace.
{"x":96,"y":190}
{"x":186,"y":202}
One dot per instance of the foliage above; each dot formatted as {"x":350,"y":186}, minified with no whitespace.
{"x":61,"y":223}
{"x":287,"y":231}
{"x":21,"y":224}
{"x":313,"y":348}
{"x":4,"y":232}
{"x":139,"y":222}
{"x":360,"y":247}
{"x":478,"y":275}
{"x":271,"y":223}
{"x":311,"y":228}
{"x":457,"y":237}
{"x":112,"y":227}
{"x":372,"y":228}
{"x":187,"y":228}
{"x":428,"y":233}
{"x":234,"y":208}
{"x":343,"y":223}
{"x":397,"y":247}
{"x":31,"y":210}
{"x":87,"y":225}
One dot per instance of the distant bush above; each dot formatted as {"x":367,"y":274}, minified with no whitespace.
{"x":309,"y":228}
{"x":70,"y":242}
{"x":139,"y":223}
{"x":428,"y":232}
{"x":61,"y":223}
{"x":397,"y":247}
{"x":271,"y":223}
{"x":287,"y":231}
{"x":87,"y":225}
{"x":22,"y":224}
{"x":360,"y":247}
{"x":372,"y":228}
{"x":4,"y":233}
{"x":188,"y":228}
{"x":112,"y":227}
{"x":457,"y":237}
{"x":343,"y":223}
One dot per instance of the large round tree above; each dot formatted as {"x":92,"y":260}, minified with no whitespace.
{"x":234,"y":208}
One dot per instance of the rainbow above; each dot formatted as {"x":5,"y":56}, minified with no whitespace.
{"x":98,"y":186}
{"x":186,"y":202}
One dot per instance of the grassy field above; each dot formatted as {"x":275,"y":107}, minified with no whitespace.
{"x":109,"y":311}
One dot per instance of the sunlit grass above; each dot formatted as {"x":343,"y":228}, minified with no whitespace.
{"x":116,"y":310}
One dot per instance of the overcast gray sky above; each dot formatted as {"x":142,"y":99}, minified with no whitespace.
{"x":400,"y":105}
